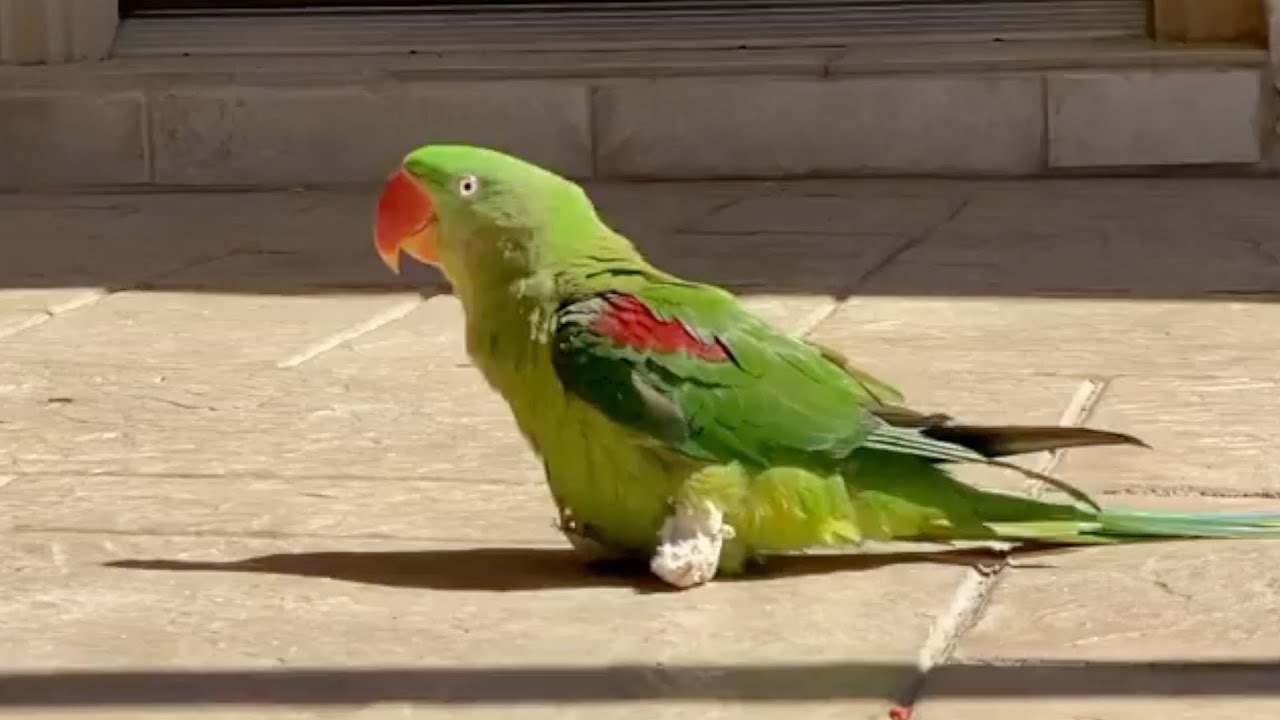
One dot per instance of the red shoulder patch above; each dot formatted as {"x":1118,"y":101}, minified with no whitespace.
{"x":628,"y":321}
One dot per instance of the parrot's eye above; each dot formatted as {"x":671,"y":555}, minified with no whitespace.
{"x":469,"y":185}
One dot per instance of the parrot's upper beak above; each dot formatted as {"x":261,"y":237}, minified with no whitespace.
{"x":406,"y":222}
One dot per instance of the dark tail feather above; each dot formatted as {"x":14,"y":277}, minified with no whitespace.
{"x":1003,"y":441}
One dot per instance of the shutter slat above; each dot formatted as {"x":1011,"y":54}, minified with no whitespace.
{"x":619,"y":24}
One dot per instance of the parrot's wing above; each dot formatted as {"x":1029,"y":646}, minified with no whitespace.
{"x":686,"y":365}
{"x":880,"y":391}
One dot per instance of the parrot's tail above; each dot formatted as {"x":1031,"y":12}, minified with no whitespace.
{"x":1004,"y":440}
{"x":1124,"y":525}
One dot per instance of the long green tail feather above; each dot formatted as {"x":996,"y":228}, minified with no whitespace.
{"x":1118,"y":525}
{"x":906,"y":497}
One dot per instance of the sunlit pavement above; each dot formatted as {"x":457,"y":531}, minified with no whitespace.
{"x":247,"y":473}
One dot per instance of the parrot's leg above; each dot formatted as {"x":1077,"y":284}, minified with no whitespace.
{"x":581,"y":538}
{"x":690,"y":543}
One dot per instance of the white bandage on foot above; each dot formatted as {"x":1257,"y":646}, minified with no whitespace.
{"x":691,"y":541}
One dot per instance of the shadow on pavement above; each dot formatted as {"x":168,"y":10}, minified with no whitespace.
{"x":629,"y":683}
{"x":1172,"y":238}
{"x":528,"y":569}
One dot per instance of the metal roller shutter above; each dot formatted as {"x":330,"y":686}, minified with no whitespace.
{"x":207,"y":27}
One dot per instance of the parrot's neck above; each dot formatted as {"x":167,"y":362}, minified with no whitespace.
{"x":510,"y":306}
{"x":510,"y":314}
{"x":512,"y":286}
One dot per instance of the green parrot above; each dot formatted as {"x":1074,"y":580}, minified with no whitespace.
{"x":676,"y":426}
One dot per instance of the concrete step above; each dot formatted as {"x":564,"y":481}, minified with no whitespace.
{"x":1004,"y":109}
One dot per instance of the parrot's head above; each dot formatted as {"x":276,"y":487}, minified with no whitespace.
{"x":470,"y":210}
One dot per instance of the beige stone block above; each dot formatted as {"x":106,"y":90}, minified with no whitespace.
{"x":268,"y":135}
{"x":69,"y":139}
{"x":26,"y":308}
{"x":347,"y":265}
{"x":1211,"y":435}
{"x":432,"y":336}
{"x":794,"y":314}
{"x":15,"y":321}
{"x":1083,"y":337}
{"x":1111,"y":238}
{"x":1131,"y":692}
{"x":644,"y":210}
{"x":771,"y":262}
{"x":1171,"y":630}
{"x":844,"y":211}
{"x":168,"y":328}
{"x":773,"y":127}
{"x":436,"y":630}
{"x":212,"y":419}
{"x":470,"y":511}
{"x":117,"y":241}
{"x":1173,"y":117}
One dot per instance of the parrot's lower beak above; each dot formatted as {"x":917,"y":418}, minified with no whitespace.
{"x":406,"y":222}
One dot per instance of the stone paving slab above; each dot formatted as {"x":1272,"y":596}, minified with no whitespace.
{"x":1170,"y":630}
{"x":453,"y":621}
{"x":327,"y":266}
{"x":232,"y":382}
{"x":338,"y":507}
{"x":157,"y":329}
{"x":867,"y":209}
{"x":103,"y":240}
{"x":22,"y":309}
{"x":81,"y":418}
{"x":640,"y":210}
{"x":108,"y":419}
{"x":1206,"y":435}
{"x":1093,"y":337}
{"x":772,"y":263}
{"x":1088,"y":238}
{"x":124,"y":458}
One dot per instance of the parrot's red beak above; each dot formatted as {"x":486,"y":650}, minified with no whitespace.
{"x":406,"y":222}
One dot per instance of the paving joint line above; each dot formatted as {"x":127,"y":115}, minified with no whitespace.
{"x":971,"y":598}
{"x":844,"y":293}
{"x":1190,"y":491}
{"x":93,"y":296}
{"x":817,"y":317}
{"x":383,"y":317}
{"x":688,"y":225}
{"x":907,"y":246}
{"x":85,"y":299}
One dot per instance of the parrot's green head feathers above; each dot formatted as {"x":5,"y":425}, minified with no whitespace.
{"x":469,"y":209}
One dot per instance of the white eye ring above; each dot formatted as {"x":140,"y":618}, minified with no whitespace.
{"x":469,"y":185}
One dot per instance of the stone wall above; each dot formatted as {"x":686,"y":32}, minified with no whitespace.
{"x":1012,"y":109}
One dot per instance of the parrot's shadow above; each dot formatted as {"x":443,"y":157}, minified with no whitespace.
{"x":531,"y":569}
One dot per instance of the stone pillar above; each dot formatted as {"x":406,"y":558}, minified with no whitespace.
{"x":1210,"y":20}
{"x":1273,"y":40}
{"x":36,"y":32}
